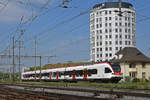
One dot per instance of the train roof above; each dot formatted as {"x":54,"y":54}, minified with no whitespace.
{"x":69,"y":67}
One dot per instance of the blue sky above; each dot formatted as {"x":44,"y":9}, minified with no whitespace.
{"x":61,"y":32}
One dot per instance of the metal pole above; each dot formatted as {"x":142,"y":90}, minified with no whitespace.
{"x":35,"y":54}
{"x":13,"y":58}
{"x":40,"y":67}
{"x":19,"y":60}
{"x":9,"y":65}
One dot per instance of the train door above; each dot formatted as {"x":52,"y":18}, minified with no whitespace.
{"x":73,"y":74}
{"x":50,"y":75}
{"x":57,"y":75}
{"x":107,"y":72}
{"x":85,"y":74}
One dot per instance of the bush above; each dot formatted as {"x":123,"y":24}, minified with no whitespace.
{"x":127,"y":79}
{"x":144,"y":80}
{"x":136,"y":80}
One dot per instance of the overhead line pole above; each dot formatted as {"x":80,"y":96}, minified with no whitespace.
{"x":13,"y":58}
{"x":19,"y":60}
{"x":35,"y":54}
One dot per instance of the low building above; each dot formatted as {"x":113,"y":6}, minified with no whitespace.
{"x":134,"y":64}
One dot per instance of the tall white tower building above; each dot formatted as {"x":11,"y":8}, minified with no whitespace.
{"x":110,"y":32}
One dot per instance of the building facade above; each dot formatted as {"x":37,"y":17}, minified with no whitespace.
{"x":134,"y":64}
{"x":110,"y":32}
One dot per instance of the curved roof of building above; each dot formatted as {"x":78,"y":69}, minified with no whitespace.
{"x":113,"y":5}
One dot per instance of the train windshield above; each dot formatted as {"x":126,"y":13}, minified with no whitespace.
{"x":116,"y":67}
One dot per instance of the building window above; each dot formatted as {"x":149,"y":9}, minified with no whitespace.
{"x":110,"y":24}
{"x":109,"y":12}
{"x":100,"y":49}
{"x":97,"y":44}
{"x":100,"y":55}
{"x":125,"y":30}
{"x":110,"y":43}
{"x":126,"y":36}
{"x":129,"y":42}
{"x":133,"y":74}
{"x":120,"y":48}
{"x":120,"y":24}
{"x":110,"y":36}
{"x":106,"y":31}
{"x":143,"y":65}
{"x":125,"y":18}
{"x":96,"y":19}
{"x":105,"y":12}
{"x":120,"y":42}
{"x":120,"y":18}
{"x":120,"y":36}
{"x":120,"y":30}
{"x":116,"y":24}
{"x":129,"y":36}
{"x":116,"y":30}
{"x":106,"y":18}
{"x":109,"y":18}
{"x":126,"y":42}
{"x":100,"y":25}
{"x":116,"y":42}
{"x":100,"y":43}
{"x":143,"y":74}
{"x":106,"y":55}
{"x":116,"y":48}
{"x":97,"y":25}
{"x":110,"y":55}
{"x":100,"y":31}
{"x":116,"y":36}
{"x":100,"y":37}
{"x":97,"y":37}
{"x":129,"y":30}
{"x":116,"y":18}
{"x":106,"y":43}
{"x":110,"y":30}
{"x":97,"y":55}
{"x":106,"y":36}
{"x":97,"y":49}
{"x":100,"y":19}
{"x":106,"y":49}
{"x":126,"y":24}
{"x":110,"y":48}
{"x":105,"y":24}
{"x":132,"y":65}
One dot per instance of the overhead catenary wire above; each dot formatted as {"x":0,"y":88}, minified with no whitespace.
{"x":23,"y":23}
{"x":59,"y":24}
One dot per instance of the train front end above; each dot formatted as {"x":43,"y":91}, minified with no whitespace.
{"x":116,"y":73}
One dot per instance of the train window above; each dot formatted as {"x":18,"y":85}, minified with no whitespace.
{"x":79,"y":73}
{"x":68,"y":73}
{"x":107,"y":70}
{"x":116,"y":67}
{"x":45,"y":74}
{"x":54,"y":74}
{"x":59,"y":74}
{"x":92,"y":71}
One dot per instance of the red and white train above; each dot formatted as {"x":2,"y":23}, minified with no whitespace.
{"x":104,"y":72}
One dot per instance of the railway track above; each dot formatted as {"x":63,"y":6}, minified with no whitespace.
{"x":41,"y":92}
